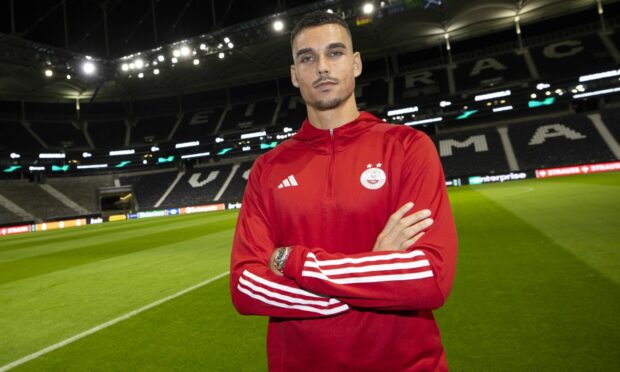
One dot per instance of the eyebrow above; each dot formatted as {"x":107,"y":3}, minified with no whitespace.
{"x":329,"y":47}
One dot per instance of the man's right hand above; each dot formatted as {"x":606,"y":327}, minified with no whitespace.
{"x":401,"y":232}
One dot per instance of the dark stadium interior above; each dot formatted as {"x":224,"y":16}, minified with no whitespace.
{"x":438,"y":56}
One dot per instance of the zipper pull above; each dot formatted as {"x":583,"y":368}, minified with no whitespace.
{"x":331,"y":132}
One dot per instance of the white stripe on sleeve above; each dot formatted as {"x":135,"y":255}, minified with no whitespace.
{"x":258,"y":297}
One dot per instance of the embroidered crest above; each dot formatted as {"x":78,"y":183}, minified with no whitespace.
{"x":373,"y":178}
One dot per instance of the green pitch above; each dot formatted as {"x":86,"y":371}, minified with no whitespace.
{"x":537,"y":288}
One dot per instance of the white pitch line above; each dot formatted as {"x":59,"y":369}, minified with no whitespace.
{"x":107,"y":324}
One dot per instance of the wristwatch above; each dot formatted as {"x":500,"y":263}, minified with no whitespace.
{"x":280,"y":258}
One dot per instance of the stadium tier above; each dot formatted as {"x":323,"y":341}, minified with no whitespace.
{"x":472,"y":152}
{"x":107,"y":134}
{"x":152,"y":129}
{"x":566,"y":140}
{"x":150,"y":187}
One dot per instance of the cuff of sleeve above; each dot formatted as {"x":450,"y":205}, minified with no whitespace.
{"x":295,"y":262}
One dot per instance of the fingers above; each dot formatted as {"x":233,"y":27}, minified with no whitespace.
{"x":399,"y":230}
{"x":411,"y":241}
{"x":396,"y":217}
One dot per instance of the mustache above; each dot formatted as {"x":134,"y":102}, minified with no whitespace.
{"x":324,"y":79}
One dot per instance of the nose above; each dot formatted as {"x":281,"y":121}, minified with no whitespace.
{"x":322,"y":65}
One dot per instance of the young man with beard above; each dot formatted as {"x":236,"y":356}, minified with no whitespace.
{"x":334,"y":241}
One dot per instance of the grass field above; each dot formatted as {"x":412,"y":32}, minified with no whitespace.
{"x":537,"y":288}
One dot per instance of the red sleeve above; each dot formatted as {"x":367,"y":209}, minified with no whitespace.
{"x":255,"y":289}
{"x":418,"y":278}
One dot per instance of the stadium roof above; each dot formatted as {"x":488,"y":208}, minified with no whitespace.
{"x":259,"y":54}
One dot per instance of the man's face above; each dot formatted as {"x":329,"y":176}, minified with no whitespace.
{"x":325,"y":66}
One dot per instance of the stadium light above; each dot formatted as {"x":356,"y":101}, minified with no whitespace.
{"x":219,"y":139}
{"x":125,"y":67}
{"x":541,"y":86}
{"x":196,"y":61}
{"x":444,"y":103}
{"x":92,"y":166}
{"x":405,"y":110}
{"x":221,"y":55}
{"x":484,"y":97}
{"x":278,"y":25}
{"x":184,"y":51}
{"x":330,"y":11}
{"x":368,"y":8}
{"x":176,"y":53}
{"x":246,"y":148}
{"x":68,"y":77}
{"x":203,"y":46}
{"x":141,"y":75}
{"x":600,"y":75}
{"x":49,"y":73}
{"x":88,"y":67}
{"x":596,"y":93}
{"x":503,"y":108}
{"x":51,"y":155}
{"x":122,"y":152}
{"x":533,"y":95}
{"x":198,"y":155}
{"x":161,"y":58}
{"x":227,"y":40}
{"x":424,"y":121}
{"x":231,"y":45}
{"x":174,"y":60}
{"x":139,"y":63}
{"x":186,"y":144}
{"x":287,"y":129}
{"x":156,"y":71}
{"x":253,"y":135}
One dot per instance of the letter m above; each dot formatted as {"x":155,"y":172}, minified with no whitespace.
{"x":479,"y":142}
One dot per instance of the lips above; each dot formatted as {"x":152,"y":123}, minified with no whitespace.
{"x":325,"y":84}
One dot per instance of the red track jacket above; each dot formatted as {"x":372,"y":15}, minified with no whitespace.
{"x":339,"y":306}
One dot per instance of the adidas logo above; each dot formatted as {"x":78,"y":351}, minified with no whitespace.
{"x":289,"y":181}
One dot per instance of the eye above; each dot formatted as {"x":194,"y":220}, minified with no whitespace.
{"x":306,"y":59}
{"x":336,"y":53}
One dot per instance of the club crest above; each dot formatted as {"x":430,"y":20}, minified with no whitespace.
{"x":373,"y":178}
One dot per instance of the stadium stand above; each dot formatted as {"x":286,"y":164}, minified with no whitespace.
{"x":197,"y":125}
{"x":247,"y":116}
{"x":107,"y":134}
{"x":15,"y":137}
{"x":292,"y":112}
{"x":83,"y":189}
{"x":234,"y":191}
{"x":35,"y":200}
{"x":152,"y":129}
{"x":59,"y":135}
{"x":149,"y":186}
{"x":472,"y":152}
{"x":563,"y":141}
{"x":374,"y":94}
{"x":199,"y":186}
{"x":7,"y":217}
{"x":611,"y":118}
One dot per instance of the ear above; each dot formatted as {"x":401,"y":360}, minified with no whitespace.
{"x":294,"y":77}
{"x":357,"y":64}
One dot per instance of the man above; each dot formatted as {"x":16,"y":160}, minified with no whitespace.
{"x":327,"y":242}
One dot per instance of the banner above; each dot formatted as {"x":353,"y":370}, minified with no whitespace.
{"x":578,"y":169}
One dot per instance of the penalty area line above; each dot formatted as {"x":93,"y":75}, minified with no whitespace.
{"x":107,"y":324}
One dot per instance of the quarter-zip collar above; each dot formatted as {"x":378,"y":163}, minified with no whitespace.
{"x":322,"y":140}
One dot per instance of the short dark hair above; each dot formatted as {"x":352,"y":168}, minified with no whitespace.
{"x":318,"y":18}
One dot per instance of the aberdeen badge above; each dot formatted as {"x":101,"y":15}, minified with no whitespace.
{"x":373,"y":178}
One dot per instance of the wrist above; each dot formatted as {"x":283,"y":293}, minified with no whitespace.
{"x":280,"y":256}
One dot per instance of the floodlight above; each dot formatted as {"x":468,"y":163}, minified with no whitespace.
{"x":185,"y":51}
{"x":278,"y":25}
{"x":160,"y":58}
{"x":125,"y":67}
{"x":139,"y":63}
{"x":141,"y":75}
{"x":156,"y":71}
{"x":231,"y":45}
{"x":226,"y":40}
{"x":368,"y":8}
{"x":88,"y":67}
{"x":49,"y":73}
{"x":196,"y":61}
{"x":174,"y":60}
{"x":176,"y":53}
{"x":68,"y":77}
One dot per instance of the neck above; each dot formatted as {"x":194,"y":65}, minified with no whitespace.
{"x":330,"y":119}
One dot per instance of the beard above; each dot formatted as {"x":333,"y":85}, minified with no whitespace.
{"x":324,"y":105}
